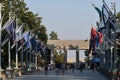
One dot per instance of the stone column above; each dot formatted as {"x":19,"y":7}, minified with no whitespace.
{"x":77,"y":59}
{"x":65,"y":55}
{"x":52,"y":56}
{"x":51,"y":47}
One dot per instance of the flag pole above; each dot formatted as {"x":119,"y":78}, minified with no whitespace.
{"x":33,"y":57}
{"x":0,"y":36}
{"x":26,"y":58}
{"x":22,"y":49}
{"x":22,"y":58}
{"x":9,"y":47}
{"x":16,"y":46}
{"x":9,"y":54}
{"x":30,"y":54}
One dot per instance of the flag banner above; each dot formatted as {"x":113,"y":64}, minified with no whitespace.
{"x":101,"y":26}
{"x":100,"y":37}
{"x":7,"y":23}
{"x":28,"y":44}
{"x":19,"y":34}
{"x":26,"y":38}
{"x":97,"y":40}
{"x":46,"y":49}
{"x":33,"y":42}
{"x":98,"y":10}
{"x":93,"y":33}
{"x":105,"y":13}
{"x":10,"y":28}
{"x":113,"y":25}
{"x":40,"y":48}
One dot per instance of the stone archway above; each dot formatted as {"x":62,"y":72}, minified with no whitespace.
{"x":68,"y":45}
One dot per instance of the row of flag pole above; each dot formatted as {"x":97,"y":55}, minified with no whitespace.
{"x":24,"y":39}
{"x":97,"y":34}
{"x":17,"y":35}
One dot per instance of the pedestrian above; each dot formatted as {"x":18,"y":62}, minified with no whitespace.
{"x":81,"y":67}
{"x":63,"y":68}
{"x":73,"y":68}
{"x":92,"y":67}
{"x":57,"y":69}
{"x":46,"y":69}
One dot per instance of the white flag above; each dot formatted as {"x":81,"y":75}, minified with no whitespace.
{"x":19,"y":34}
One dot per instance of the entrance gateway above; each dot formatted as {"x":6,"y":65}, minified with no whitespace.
{"x":67,"y":45}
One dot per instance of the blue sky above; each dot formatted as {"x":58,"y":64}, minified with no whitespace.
{"x":71,"y":19}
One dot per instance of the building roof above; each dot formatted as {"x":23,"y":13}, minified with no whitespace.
{"x":70,"y":44}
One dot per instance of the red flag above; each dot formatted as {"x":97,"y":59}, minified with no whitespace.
{"x":100,"y":37}
{"x":93,"y":33}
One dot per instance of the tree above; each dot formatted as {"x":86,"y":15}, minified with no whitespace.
{"x":53,"y":36}
{"x":42,"y":34}
{"x":58,"y":58}
{"x":31,"y":21}
{"x":118,"y":16}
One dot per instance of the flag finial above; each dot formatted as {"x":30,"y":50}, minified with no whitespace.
{"x":93,"y":4}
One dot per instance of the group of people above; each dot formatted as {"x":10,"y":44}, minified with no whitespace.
{"x":61,"y":68}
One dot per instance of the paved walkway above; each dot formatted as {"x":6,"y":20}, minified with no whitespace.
{"x":85,"y":75}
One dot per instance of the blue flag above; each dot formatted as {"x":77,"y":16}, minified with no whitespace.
{"x":33,"y":43}
{"x":40,"y":48}
{"x":105,"y":13}
{"x":26,"y":38}
{"x":10,"y":28}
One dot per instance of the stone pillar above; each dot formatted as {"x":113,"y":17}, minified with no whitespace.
{"x":51,"y":47}
{"x":77,"y":59}
{"x":52,"y":56}
{"x":65,"y":55}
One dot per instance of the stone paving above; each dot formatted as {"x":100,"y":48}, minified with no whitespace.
{"x":69,"y":75}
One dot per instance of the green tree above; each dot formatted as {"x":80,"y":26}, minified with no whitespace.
{"x":118,"y":38}
{"x":31,"y":21}
{"x":53,"y":36}
{"x":42,"y":34}
{"x":58,"y":58}
{"x":118,"y":16}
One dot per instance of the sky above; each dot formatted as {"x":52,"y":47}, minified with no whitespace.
{"x":71,"y":19}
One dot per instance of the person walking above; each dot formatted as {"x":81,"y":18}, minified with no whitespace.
{"x":73,"y":68}
{"x":46,"y":69}
{"x":63,"y":69}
